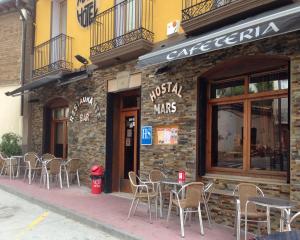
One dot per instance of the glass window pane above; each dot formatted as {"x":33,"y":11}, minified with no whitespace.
{"x":227,"y":135}
{"x":269,"y":134}
{"x":269,"y":82}
{"x":228,"y":89}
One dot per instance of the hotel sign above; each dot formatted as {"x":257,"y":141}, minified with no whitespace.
{"x":258,"y":27}
{"x":84,"y":109}
{"x":159,"y":91}
{"x":86,"y":12}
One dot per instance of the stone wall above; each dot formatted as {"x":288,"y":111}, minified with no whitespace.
{"x":86,"y":140}
{"x":10,"y":48}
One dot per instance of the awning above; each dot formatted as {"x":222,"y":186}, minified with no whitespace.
{"x":58,"y":79}
{"x":271,"y":23}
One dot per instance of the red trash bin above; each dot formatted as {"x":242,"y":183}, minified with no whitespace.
{"x":97,"y":173}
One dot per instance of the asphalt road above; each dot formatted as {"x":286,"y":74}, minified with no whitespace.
{"x":22,"y":220}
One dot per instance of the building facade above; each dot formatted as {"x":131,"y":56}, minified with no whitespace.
{"x":208,"y":87}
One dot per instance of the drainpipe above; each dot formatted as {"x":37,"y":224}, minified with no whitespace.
{"x":24,"y":29}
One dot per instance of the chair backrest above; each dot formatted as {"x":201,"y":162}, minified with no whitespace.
{"x":47,"y":156}
{"x":32,"y":158}
{"x":133,"y":183}
{"x":294,"y":217}
{"x":194,"y":193}
{"x":208,"y":188}
{"x":73,"y":165}
{"x":156,"y":176}
{"x":244,"y":192}
{"x":2,"y":156}
{"x":54,"y":166}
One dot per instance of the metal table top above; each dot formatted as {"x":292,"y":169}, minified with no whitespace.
{"x":173,"y":181}
{"x":273,"y":202}
{"x":292,"y":235}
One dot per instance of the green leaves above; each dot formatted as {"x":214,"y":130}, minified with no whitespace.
{"x":10,"y":144}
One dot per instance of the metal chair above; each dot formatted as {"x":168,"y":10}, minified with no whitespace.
{"x":7,"y":164}
{"x":72,"y":167}
{"x":155,"y":177}
{"x":141,"y":190}
{"x":243,"y":192}
{"x":32,"y":165}
{"x":52,"y":168}
{"x":192,"y":196}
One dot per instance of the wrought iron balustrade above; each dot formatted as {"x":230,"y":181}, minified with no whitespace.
{"x":195,"y":8}
{"x":53,"y":55}
{"x":125,"y":23}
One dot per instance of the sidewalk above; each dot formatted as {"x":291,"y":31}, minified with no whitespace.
{"x":109,"y":212}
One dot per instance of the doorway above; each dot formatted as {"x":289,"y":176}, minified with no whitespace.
{"x":55,"y":132}
{"x":123,"y":128}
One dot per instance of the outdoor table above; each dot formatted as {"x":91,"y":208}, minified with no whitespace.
{"x":281,"y":204}
{"x":291,"y":235}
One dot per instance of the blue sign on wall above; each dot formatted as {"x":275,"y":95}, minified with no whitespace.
{"x":147,"y":135}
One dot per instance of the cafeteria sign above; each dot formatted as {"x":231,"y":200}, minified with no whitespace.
{"x":86,"y":106}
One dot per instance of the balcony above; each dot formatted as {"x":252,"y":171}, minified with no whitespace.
{"x":53,"y":56}
{"x":203,"y":15}
{"x":122,"y":32}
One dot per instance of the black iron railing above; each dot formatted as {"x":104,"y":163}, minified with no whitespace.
{"x":124,"y":23}
{"x":195,"y":8}
{"x":53,"y":55}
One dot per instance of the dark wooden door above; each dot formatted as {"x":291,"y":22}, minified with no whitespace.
{"x":128,"y":147}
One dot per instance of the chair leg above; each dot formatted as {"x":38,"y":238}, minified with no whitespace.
{"x":156,"y":200}
{"x":67,"y":176}
{"x":149,"y":207}
{"x":181,"y":221}
{"x":137,"y":203}
{"x":200,"y":220}
{"x":134,"y":197}
{"x":60,"y":180}
{"x":48,"y":184}
{"x":169,"y":210}
{"x":207,"y":213}
{"x":78,"y":180}
{"x":238,"y":226}
{"x":29,"y":175}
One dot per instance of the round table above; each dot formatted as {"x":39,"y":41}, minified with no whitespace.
{"x":283,"y":205}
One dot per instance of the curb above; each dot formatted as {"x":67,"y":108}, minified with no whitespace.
{"x":72,"y":215}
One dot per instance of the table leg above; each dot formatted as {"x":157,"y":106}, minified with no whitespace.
{"x":246,"y":208}
{"x":10,"y":168}
{"x":281,"y":221}
{"x":287,"y":219}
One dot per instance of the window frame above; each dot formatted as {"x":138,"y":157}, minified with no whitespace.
{"x":246,"y":99}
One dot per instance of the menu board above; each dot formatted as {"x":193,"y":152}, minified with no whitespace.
{"x":166,"y":135}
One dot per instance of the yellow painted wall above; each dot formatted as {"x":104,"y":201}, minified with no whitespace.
{"x":164,"y":11}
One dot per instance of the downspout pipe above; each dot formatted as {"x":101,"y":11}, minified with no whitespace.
{"x":24,"y":30}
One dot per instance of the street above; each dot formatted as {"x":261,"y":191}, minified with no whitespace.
{"x":21,"y":220}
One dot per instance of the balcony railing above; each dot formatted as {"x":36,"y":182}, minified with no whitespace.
{"x":125,"y":23}
{"x":53,"y":55}
{"x":195,"y":8}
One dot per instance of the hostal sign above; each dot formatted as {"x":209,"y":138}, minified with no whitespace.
{"x":85,"y":107}
{"x":86,"y":11}
{"x":159,"y":91}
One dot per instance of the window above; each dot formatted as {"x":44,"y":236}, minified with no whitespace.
{"x":248,"y":124}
